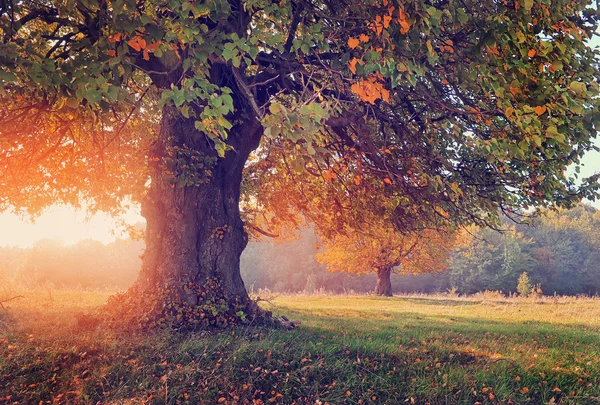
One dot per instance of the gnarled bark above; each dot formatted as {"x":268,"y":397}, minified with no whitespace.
{"x":384,"y":282}
{"x":194,"y":235}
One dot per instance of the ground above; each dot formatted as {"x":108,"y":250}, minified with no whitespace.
{"x":348,"y":350}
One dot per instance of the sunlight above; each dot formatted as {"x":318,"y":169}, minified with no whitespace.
{"x":65,"y":224}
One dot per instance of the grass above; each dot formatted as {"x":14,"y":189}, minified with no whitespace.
{"x":348,"y":350}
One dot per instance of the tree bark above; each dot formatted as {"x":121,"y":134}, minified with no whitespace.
{"x":194,"y":234}
{"x":384,"y":282}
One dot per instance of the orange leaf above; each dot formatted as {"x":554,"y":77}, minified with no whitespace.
{"x":385,"y":94}
{"x":111,"y":52}
{"x":387,"y":181}
{"x":404,"y":26}
{"x":386,"y":20}
{"x":352,"y":65}
{"x":540,"y":109}
{"x":153,"y":46}
{"x":524,"y":390}
{"x":146,"y":54}
{"x":138,"y":43}
{"x":531,"y":53}
{"x":221,"y":400}
{"x":115,"y":38}
{"x":364,"y":38}
{"x":353,"y":43}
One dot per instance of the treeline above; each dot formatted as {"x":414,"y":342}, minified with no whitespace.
{"x":88,"y":264}
{"x":560,"y":252}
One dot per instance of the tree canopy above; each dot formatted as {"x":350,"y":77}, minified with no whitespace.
{"x":455,"y":106}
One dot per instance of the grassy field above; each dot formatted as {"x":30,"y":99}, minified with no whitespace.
{"x":348,"y":350}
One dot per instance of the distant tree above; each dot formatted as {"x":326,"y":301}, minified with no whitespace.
{"x":381,"y":249}
{"x":524,"y":286}
{"x":567,"y":250}
{"x":87,"y":264}
{"x":490,"y":260}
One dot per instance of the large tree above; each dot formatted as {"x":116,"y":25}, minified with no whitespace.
{"x":449,"y":110}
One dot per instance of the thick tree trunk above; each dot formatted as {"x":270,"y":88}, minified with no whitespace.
{"x":384,"y":282}
{"x":194,"y":234}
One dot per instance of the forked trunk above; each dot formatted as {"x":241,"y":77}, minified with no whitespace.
{"x":384,"y":282}
{"x":194,"y":236}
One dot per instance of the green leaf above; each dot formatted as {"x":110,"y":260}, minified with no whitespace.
{"x":576,"y":109}
{"x":579,"y":88}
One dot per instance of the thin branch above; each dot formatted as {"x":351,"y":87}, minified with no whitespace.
{"x":9,"y":299}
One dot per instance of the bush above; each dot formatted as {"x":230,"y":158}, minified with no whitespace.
{"x":524,"y":286}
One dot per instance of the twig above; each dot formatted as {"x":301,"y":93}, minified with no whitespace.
{"x":258,"y":299}
{"x":9,"y":299}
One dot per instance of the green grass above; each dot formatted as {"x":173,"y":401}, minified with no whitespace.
{"x":348,"y":350}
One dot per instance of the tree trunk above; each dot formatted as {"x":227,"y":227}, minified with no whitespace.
{"x":194,"y":236}
{"x":384,"y":282}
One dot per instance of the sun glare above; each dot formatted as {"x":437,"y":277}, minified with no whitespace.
{"x":65,"y":224}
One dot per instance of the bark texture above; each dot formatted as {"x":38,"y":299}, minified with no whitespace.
{"x":384,"y":282}
{"x":194,"y":232}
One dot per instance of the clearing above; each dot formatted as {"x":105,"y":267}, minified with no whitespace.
{"x":348,"y":350}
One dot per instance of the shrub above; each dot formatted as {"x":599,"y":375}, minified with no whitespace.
{"x":524,"y":286}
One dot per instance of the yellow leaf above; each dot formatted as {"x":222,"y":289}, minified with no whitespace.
{"x":353,"y":43}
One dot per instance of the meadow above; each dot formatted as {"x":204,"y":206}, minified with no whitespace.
{"x":484,"y":349}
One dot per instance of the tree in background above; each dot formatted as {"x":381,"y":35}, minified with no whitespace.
{"x":485,"y":259}
{"x":450,"y":111}
{"x":559,"y":250}
{"x":567,"y":251}
{"x":381,"y":249}
{"x":524,"y":287}
{"x":87,"y":264}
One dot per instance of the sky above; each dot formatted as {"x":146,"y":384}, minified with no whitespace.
{"x":64,"y":224}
